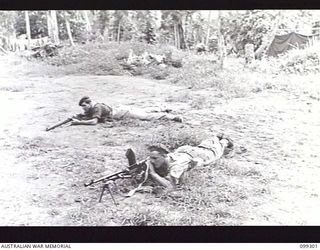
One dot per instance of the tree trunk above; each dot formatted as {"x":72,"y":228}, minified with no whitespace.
{"x":186,"y":30}
{"x":266,"y":43}
{"x":221,"y":47}
{"x":118,"y":34}
{"x":178,"y":36}
{"x":68,"y":29}
{"x":189,"y":33}
{"x":55,"y":27}
{"x":88,"y":24}
{"x":175,"y":36}
{"x":28,"y":28}
{"x":53,"y":30}
{"x":208,"y":28}
{"x":182,"y":43}
{"x":106,"y":34}
{"x":49,"y":24}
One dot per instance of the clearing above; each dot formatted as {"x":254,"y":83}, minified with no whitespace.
{"x":275,"y":182}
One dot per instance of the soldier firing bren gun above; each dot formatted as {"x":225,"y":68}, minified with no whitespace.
{"x":134,"y":169}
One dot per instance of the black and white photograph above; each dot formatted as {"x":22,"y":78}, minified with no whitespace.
{"x":159,"y":117}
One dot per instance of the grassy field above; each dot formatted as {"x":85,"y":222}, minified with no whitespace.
{"x":271,"y":116}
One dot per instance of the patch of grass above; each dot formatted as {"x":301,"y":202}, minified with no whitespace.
{"x":15,"y":86}
{"x":195,"y":73}
{"x":198,"y":103}
{"x":158,"y":73}
{"x":174,"y":138}
{"x":12,"y":88}
{"x":182,"y":97}
{"x":110,"y":59}
{"x":143,"y":217}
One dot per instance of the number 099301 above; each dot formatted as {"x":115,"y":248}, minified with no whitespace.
{"x":309,"y":246}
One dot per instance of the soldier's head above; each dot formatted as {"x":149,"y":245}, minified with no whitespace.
{"x":86,"y":103}
{"x":158,"y":155}
{"x":157,"y":159}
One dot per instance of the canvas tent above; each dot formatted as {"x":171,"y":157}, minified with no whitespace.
{"x":283,"y":43}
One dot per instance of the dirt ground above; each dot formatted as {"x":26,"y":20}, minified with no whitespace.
{"x":43,"y":173}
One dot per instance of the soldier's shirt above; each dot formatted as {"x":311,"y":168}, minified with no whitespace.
{"x":100,"y":111}
{"x":185,"y":157}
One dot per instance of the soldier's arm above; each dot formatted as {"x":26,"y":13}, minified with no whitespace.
{"x":93,"y":121}
{"x":79,"y":116}
{"x":162,"y":181}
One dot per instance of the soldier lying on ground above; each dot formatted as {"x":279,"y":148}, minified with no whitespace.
{"x":100,"y":113}
{"x":167,"y":169}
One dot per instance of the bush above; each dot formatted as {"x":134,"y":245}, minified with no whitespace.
{"x":301,"y":61}
{"x":197,"y":71}
{"x":110,"y":58}
{"x":174,"y":138}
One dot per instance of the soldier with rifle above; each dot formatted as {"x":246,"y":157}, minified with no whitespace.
{"x":101,"y":113}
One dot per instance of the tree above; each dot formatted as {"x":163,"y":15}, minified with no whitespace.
{"x":88,"y":24}
{"x":118,"y":26}
{"x":7,"y":22}
{"x":268,"y":38}
{"x":208,"y":28}
{"x":77,"y":26}
{"x":172,"y":26}
{"x":102,"y":23}
{"x":242,"y":27}
{"x":67,"y":16}
{"x":188,"y":28}
{"x":28,"y":28}
{"x":259,"y":26}
{"x":7,"y":29}
{"x":221,"y":46}
{"x":143,"y":26}
{"x":198,"y":31}
{"x":53,"y":30}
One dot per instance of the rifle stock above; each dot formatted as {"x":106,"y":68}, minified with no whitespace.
{"x":59,"y":124}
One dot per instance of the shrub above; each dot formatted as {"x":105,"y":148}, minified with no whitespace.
{"x":174,"y":138}
{"x":301,"y":61}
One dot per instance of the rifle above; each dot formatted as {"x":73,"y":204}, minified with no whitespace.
{"x":129,"y":172}
{"x":59,"y":124}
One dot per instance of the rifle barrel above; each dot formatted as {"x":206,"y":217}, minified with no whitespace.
{"x":59,"y":124}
